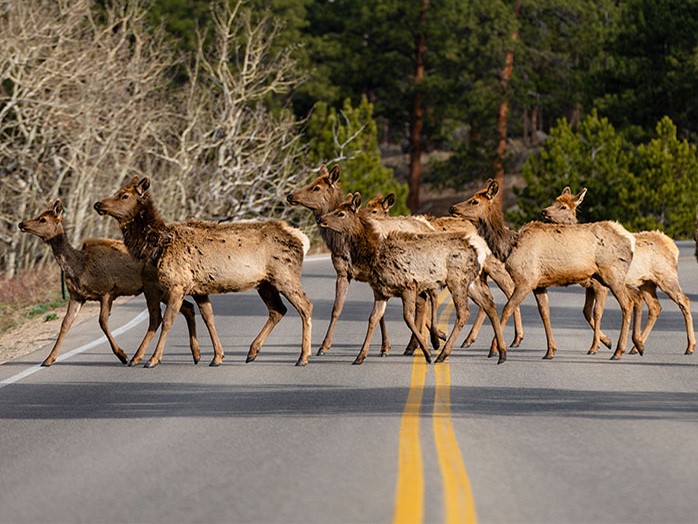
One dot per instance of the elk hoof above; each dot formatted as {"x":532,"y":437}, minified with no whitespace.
{"x":442,"y":335}
{"x":196,"y":360}
{"x":427,"y":358}
{"x":467,"y":343}
{"x":548,"y":356}
{"x":301,"y":362}
{"x":384,"y":354}
{"x":689,"y":351}
{"x":123,"y":359}
{"x":441,"y":358}
{"x":615,"y":357}
{"x":502,"y":358}
{"x":134,"y":362}
{"x":517,"y":342}
{"x":492,"y":353}
{"x":214,"y":363}
{"x":358,"y":360}
{"x":607,"y":342}
{"x":592,"y":352}
{"x":47,"y":363}
{"x":321,"y":352}
{"x":409,"y":352}
{"x":250,"y":358}
{"x":150,"y":364}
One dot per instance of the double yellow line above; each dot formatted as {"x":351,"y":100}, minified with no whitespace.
{"x":458,"y":503}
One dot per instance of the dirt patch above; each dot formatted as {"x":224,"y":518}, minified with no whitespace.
{"x":35,"y":333}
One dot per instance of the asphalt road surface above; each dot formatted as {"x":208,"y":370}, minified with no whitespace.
{"x":578,"y":439}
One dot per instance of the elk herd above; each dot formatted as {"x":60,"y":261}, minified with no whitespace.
{"x":412,"y":258}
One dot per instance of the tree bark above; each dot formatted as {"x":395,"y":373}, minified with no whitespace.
{"x":503,"y":113}
{"x":417,"y":116}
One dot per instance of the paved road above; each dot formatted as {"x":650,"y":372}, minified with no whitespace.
{"x":576,"y":439}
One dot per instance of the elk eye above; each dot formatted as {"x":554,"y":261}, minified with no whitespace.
{"x":124,"y":196}
{"x":474,"y":202}
{"x":341,"y":214}
{"x":42,"y":220}
{"x":316,"y":188}
{"x":563,"y":207}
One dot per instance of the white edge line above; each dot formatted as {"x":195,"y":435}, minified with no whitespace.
{"x":37,"y":367}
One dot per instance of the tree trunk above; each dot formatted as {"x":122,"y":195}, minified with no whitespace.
{"x":503,"y":112}
{"x":417,"y":116}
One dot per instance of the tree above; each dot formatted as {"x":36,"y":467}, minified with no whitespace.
{"x":350,"y":138}
{"x":666,"y":171}
{"x":594,"y":156}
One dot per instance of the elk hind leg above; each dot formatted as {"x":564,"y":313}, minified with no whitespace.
{"x":105,"y":304}
{"x":482,"y":296}
{"x":408,"y":312}
{"x":379,"y":305}
{"x":189,"y":315}
{"x":272,"y":299}
{"x":174,"y":303}
{"x":541,"y":295}
{"x":300,"y":301}
{"x":206,"y":309}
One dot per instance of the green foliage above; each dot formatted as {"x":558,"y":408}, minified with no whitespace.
{"x":651,"y":186}
{"x":349,"y":137}
{"x":666,"y":183}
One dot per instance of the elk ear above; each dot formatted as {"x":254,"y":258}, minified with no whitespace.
{"x":57,"y":208}
{"x":389,"y":201}
{"x":142,"y":186}
{"x":492,"y":189}
{"x":566,"y":191}
{"x":323,"y":170}
{"x":334,"y":173}
{"x":580,"y":196}
{"x":356,"y":201}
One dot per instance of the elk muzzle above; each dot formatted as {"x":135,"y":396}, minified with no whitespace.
{"x":98,"y":208}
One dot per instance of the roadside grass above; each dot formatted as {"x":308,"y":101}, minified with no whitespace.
{"x":31,"y":294}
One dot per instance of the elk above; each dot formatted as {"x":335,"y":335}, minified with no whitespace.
{"x":102,"y":270}
{"x":322,"y":195}
{"x":403,"y":264}
{"x":542,"y":255}
{"x":654,"y":265}
{"x":379,"y":207}
{"x":199,"y":258}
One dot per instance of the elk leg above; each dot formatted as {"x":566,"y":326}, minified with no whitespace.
{"x":517,"y":296}
{"x":74,"y":307}
{"x":153,"y":296}
{"x":595,"y":297}
{"x":420,"y":320}
{"x":206,"y":309}
{"x":408,"y":306}
{"x":189,"y":315}
{"x":475,"y":329}
{"x":501,"y":277}
{"x":340,"y":294}
{"x":300,"y":301}
{"x":459,"y":296}
{"x":435,"y":333}
{"x":674,"y":292}
{"x":620,"y":292}
{"x":379,"y":304}
{"x":105,"y":303}
{"x":541,"y":295}
{"x":482,"y":296}
{"x":174,"y":303}
{"x":272,"y":299}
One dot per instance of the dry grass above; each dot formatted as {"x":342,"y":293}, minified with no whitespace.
{"x":32,"y":294}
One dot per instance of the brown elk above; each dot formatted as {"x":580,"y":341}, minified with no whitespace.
{"x":101,"y":270}
{"x":379,"y":207}
{"x":322,"y":195}
{"x":542,"y":255}
{"x":405,"y":264}
{"x":654,"y":265}
{"x":202,"y":258}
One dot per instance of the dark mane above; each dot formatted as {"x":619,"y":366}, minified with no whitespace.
{"x":146,"y":235}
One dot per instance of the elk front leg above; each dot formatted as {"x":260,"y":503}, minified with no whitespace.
{"x":481,"y":295}
{"x":153,"y":296}
{"x":105,"y":304}
{"x":673,"y":290}
{"x":74,"y":307}
{"x":340,"y":294}
{"x":541,"y":295}
{"x":459,"y":296}
{"x":621,"y":294}
{"x":408,"y":313}
{"x":379,"y":304}
{"x":594,"y":305}
{"x":300,"y":301}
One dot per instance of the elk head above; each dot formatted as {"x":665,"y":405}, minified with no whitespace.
{"x":322,"y":194}
{"x":48,"y":224}
{"x":479,"y":206}
{"x":564,"y":209}
{"x":379,"y":206}
{"x":126,"y":202}
{"x":344,"y":219}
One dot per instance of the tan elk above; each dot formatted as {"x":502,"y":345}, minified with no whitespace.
{"x":402,"y":264}
{"x":654,"y":265}
{"x":102,"y":270}
{"x":542,"y":255}
{"x":379,"y":206}
{"x":322,"y":195}
{"x":202,"y":258}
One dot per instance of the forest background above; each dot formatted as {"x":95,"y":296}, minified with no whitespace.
{"x":230,"y":105}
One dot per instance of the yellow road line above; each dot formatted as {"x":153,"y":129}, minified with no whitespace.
{"x":409,"y":497}
{"x":459,"y":505}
